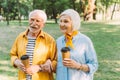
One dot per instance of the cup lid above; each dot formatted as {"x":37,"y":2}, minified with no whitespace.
{"x":24,"y":57}
{"x":65,"y":49}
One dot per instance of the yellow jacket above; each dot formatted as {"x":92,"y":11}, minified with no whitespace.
{"x":45,"y":48}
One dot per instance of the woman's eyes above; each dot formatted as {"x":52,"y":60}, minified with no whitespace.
{"x":65,"y":21}
{"x":38,"y":21}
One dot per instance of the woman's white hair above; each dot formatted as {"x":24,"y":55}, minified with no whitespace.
{"x":40,"y":12}
{"x":75,"y":17}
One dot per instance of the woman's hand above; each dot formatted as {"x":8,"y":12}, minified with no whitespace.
{"x":71,"y":63}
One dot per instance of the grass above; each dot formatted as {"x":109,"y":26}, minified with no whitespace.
{"x":105,"y":38}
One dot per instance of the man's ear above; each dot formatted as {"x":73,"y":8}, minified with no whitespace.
{"x":43,"y":25}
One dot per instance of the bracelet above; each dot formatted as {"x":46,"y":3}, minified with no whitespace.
{"x":80,"y":67}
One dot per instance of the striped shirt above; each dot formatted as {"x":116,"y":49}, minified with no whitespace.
{"x":29,"y":51}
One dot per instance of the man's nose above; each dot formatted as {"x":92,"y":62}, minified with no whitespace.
{"x":34,"y":22}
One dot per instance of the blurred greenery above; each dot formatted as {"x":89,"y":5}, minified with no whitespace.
{"x":105,"y":38}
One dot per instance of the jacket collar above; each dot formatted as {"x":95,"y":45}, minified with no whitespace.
{"x":41,"y":33}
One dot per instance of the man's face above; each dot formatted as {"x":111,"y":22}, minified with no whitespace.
{"x":35,"y":23}
{"x":65,"y":24}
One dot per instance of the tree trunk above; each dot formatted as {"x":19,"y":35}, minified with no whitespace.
{"x":88,"y":11}
{"x":7,"y":16}
{"x":113,"y":11}
{"x":95,"y":11}
{"x":73,"y":3}
{"x":54,"y":14}
{"x":19,"y":15}
{"x":34,"y":2}
{"x":54,"y":11}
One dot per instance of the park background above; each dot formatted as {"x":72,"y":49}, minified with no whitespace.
{"x":100,"y":21}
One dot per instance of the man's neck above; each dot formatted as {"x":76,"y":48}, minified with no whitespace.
{"x":34,"y":35}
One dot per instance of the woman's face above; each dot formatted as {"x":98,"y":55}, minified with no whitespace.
{"x":65,"y":24}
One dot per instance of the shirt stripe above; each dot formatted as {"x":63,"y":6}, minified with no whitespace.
{"x":29,"y":51}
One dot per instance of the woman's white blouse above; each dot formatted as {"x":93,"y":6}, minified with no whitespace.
{"x":83,"y":52}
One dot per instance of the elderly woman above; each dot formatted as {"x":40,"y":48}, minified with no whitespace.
{"x":82,"y":63}
{"x":39,"y":46}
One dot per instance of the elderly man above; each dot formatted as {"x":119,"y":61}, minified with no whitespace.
{"x":39,"y":46}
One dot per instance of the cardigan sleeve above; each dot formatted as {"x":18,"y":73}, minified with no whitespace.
{"x":91,"y":58}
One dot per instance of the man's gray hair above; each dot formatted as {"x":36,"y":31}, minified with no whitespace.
{"x":40,"y":12}
{"x":75,"y":17}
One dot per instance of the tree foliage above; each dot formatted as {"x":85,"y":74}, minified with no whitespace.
{"x":15,"y":9}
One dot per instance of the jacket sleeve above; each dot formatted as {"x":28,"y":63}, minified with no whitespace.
{"x":53,"y":55}
{"x":13,"y":52}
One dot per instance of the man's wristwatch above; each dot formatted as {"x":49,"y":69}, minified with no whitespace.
{"x":40,"y":68}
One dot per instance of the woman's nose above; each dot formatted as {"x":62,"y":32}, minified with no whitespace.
{"x":62,"y":24}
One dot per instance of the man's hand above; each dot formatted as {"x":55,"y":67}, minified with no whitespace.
{"x":47,"y":67}
{"x":32,"y":69}
{"x":20,"y":65}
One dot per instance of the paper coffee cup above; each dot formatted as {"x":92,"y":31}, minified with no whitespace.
{"x":25,"y":60}
{"x":65,"y":52}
